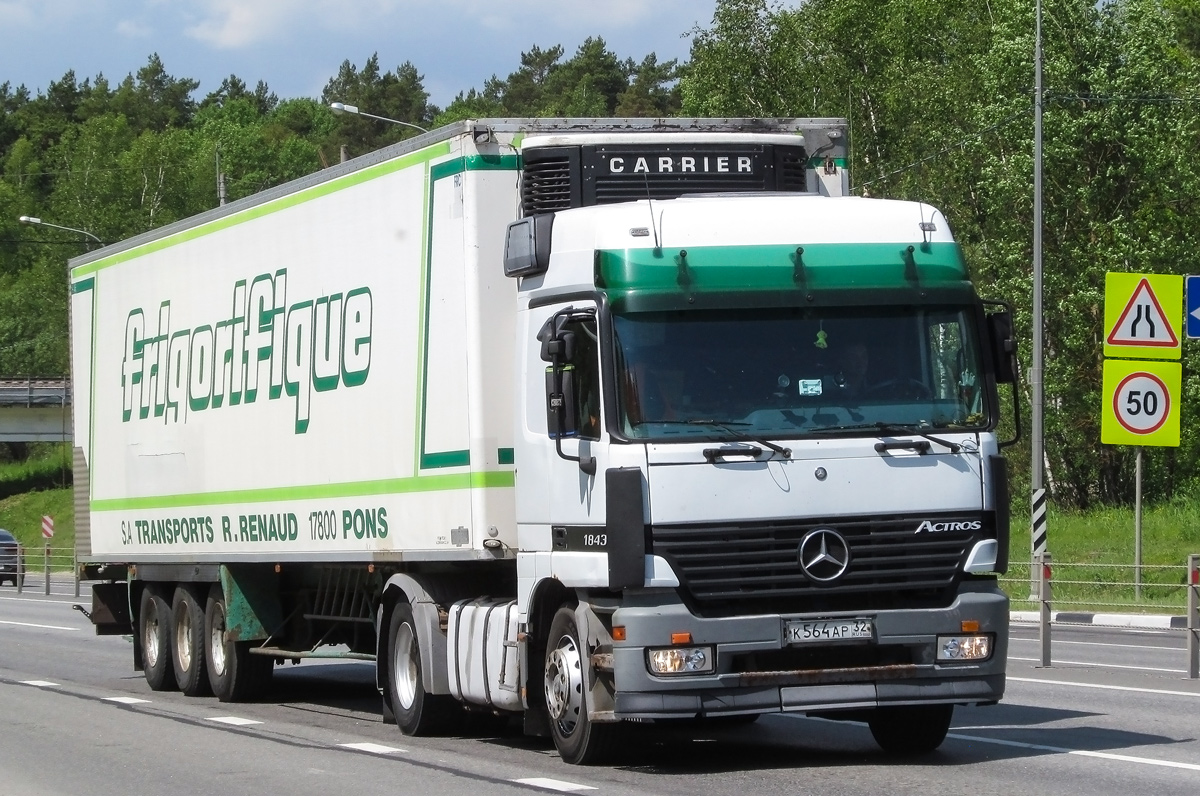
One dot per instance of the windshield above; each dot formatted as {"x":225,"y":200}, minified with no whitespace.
{"x":794,"y":372}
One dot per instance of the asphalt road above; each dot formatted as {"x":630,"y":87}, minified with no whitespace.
{"x":1114,"y":715}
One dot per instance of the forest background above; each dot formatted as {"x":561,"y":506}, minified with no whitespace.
{"x":939,"y":95}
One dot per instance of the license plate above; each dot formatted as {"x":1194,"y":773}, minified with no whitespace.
{"x":829,"y":630}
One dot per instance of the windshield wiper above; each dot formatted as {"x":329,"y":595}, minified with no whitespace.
{"x":894,"y":428}
{"x":727,"y":426}
{"x":888,"y":428}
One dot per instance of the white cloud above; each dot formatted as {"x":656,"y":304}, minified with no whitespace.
{"x":233,"y":24}
{"x":561,"y":14}
{"x":134,"y":29}
{"x":236,"y":24}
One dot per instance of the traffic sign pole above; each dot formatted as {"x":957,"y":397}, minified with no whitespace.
{"x":1137,"y":529}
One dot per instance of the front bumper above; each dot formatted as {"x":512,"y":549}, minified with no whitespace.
{"x":897,"y":667}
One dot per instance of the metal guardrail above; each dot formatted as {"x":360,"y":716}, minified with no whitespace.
{"x":34,"y":391}
{"x":34,"y":561}
{"x":1178,"y":589}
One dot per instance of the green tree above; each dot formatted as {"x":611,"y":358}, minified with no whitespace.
{"x":399,"y":94}
{"x":939,"y":99}
{"x":153,"y":100}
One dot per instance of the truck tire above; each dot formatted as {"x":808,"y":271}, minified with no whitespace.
{"x":910,"y":729}
{"x":579,"y":740}
{"x":234,"y":674}
{"x":187,"y":631}
{"x":154,"y":634}
{"x":417,"y":711}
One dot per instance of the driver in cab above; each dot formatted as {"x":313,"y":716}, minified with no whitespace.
{"x":853,"y":361}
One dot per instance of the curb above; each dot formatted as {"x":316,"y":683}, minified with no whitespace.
{"x":1158,"y":621}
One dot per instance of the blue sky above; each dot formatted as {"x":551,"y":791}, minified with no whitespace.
{"x":297,"y":45}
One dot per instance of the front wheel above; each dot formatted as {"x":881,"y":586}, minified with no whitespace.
{"x":910,"y":729}
{"x":578,"y":739}
{"x":417,"y":711}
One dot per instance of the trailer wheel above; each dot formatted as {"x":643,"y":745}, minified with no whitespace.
{"x":417,"y":711}
{"x":187,"y":624}
{"x":154,"y":632}
{"x":910,"y":729}
{"x":578,"y":739}
{"x":234,"y":674}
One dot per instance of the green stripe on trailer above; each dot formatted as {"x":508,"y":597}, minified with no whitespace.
{"x":388,"y":486}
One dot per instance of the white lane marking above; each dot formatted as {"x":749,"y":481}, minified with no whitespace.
{"x":43,"y":627}
{"x":373,"y":748}
{"x":42,"y":600}
{"x":554,"y":784}
{"x":1104,"y":665}
{"x":1102,"y":644}
{"x":1146,"y":761}
{"x":126,"y":700}
{"x":39,"y":683}
{"x":234,"y":720}
{"x":1105,"y":687}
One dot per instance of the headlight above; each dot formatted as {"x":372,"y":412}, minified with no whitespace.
{"x":681,"y":660}
{"x":964,"y":648}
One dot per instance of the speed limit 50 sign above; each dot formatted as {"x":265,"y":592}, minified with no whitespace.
{"x":1141,"y":403}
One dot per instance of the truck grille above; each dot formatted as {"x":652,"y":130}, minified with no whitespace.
{"x":733,"y":569}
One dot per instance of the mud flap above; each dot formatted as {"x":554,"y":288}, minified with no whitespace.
{"x":600,"y":695}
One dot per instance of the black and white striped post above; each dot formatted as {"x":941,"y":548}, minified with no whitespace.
{"x":1037,"y":538}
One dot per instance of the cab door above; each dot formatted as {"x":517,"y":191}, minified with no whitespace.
{"x":566,"y":466}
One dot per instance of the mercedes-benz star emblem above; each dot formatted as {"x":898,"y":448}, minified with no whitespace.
{"x":824,"y":555}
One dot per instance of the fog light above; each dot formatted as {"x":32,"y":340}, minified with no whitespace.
{"x":964,"y":648}
{"x":681,"y":660}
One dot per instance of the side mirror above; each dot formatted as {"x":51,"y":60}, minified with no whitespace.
{"x":1003,"y":345}
{"x":559,"y":349}
{"x":527,"y":246}
{"x":560,"y":402}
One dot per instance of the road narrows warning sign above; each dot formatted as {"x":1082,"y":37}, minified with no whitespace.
{"x":1142,"y":315}
{"x":1143,"y":321}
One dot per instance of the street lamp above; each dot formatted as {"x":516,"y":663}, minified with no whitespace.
{"x":341,"y":107}
{"x":39,"y":222}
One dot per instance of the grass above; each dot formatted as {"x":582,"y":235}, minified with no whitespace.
{"x":21,"y":513}
{"x":1093,"y":553}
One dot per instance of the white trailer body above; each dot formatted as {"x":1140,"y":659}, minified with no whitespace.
{"x":324,"y":374}
{"x":555,"y":417}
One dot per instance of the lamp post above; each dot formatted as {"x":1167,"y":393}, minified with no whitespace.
{"x":1037,"y":535}
{"x":40,"y":223}
{"x":341,"y":107}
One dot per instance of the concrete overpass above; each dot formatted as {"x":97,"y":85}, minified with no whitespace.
{"x":35,"y":410}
